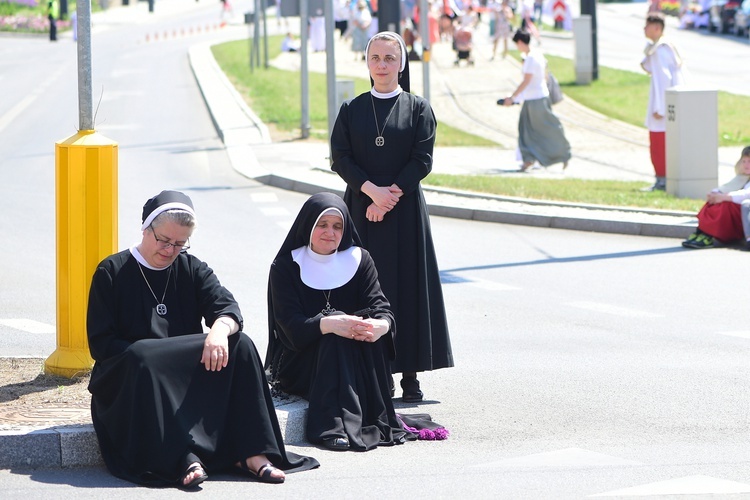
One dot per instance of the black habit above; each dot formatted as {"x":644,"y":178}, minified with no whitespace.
{"x":154,"y":406}
{"x":401,"y":245}
{"x":345,"y":381}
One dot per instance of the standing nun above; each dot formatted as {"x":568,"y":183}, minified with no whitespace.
{"x":381,"y":146}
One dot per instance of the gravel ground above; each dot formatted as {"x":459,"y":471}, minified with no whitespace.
{"x":31,"y":398}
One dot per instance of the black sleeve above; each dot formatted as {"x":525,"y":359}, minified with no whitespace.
{"x":213,"y":299}
{"x":420,"y":158}
{"x":342,"y":155}
{"x":100,"y":318}
{"x":295,"y":329}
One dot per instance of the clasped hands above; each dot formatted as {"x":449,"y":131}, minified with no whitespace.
{"x":354,"y":327}
{"x":384,"y":199}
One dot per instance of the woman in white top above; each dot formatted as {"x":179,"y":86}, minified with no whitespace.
{"x":540,"y":134}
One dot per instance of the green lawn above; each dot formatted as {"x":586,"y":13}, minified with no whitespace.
{"x":597,"y":192}
{"x":623,"y":95}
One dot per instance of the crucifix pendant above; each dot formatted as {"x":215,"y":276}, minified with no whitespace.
{"x":379,"y":141}
{"x":327,"y":310}
{"x":161,"y":309}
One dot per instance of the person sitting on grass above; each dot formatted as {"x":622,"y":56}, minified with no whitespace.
{"x":726,"y":215}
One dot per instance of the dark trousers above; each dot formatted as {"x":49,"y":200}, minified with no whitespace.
{"x":52,"y":28}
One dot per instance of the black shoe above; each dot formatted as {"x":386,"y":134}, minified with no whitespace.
{"x":703,"y":240}
{"x":690,"y":239}
{"x":659,"y":185}
{"x":411,"y":394}
{"x":336,"y":443}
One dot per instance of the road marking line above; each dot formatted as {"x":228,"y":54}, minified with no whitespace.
{"x":743,"y":334}
{"x":688,"y":485}
{"x":491,"y":285}
{"x":569,"y":457}
{"x":16,"y":110}
{"x":264,"y":197}
{"x":24,"y":103}
{"x":275,"y":211}
{"x":28,"y":325}
{"x":615,"y":310}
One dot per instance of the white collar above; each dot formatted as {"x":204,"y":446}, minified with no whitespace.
{"x":386,"y":95}
{"x":135,"y":253}
{"x":326,"y":272}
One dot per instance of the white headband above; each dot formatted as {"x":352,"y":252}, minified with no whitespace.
{"x":175,"y":205}
{"x":393,"y":36}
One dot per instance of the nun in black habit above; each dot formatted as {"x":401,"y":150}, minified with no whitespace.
{"x":170,"y":403}
{"x":381,"y":147}
{"x":331,"y":330}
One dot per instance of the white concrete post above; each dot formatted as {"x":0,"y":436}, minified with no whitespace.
{"x":692,"y":139}
{"x":344,"y":91}
{"x":584,"y":56}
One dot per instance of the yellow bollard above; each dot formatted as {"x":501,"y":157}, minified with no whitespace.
{"x":86,"y":215}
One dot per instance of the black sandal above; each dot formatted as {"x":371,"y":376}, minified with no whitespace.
{"x":198,"y":479}
{"x":264,"y":473}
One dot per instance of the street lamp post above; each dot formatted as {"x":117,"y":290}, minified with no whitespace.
{"x":588,"y":7}
{"x":389,"y":15}
{"x":85,"y":215}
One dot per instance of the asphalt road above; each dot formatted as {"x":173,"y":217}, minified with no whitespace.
{"x":587,"y":364}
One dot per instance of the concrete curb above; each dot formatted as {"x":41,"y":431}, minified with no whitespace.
{"x":63,"y":446}
{"x":235,"y":122}
{"x":77,"y":445}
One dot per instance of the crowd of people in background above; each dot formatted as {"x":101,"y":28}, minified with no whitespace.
{"x":449,"y":21}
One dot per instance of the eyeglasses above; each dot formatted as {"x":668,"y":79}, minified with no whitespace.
{"x":165,"y":244}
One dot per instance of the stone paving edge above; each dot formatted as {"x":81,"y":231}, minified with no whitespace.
{"x":64,"y":446}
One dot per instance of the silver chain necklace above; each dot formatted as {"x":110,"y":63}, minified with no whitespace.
{"x":379,"y":140}
{"x":161,"y":308}
{"x":327,"y":310}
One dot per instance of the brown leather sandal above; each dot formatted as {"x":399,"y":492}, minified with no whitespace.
{"x":263,"y":475}
{"x":197,"y":479}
